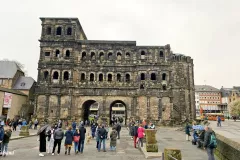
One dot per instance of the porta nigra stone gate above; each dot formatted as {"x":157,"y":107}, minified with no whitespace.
{"x":79,"y":78}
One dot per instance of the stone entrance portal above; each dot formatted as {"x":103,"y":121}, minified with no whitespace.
{"x":87,"y":109}
{"x":118,"y":109}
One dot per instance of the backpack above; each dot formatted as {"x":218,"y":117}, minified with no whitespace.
{"x":213,"y":141}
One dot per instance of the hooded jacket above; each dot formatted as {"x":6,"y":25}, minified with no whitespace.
{"x":207,"y":137}
{"x":58,"y":134}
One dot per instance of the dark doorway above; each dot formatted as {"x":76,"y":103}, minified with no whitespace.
{"x":86,"y":109}
{"x":118,"y":109}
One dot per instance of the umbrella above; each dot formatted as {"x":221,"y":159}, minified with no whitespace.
{"x":44,"y":128}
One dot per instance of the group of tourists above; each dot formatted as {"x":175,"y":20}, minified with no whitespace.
{"x":203,"y":137}
{"x":5,"y":134}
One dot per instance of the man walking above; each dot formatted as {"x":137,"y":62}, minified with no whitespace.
{"x":82,"y":131}
{"x":102,"y":133}
{"x":219,"y":121}
{"x":118,"y":128}
{"x":58,"y":136}
{"x":209,"y":142}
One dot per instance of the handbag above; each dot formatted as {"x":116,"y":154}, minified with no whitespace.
{"x":76,"y":138}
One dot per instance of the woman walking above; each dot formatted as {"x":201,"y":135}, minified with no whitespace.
{"x":76,"y":138}
{"x":68,"y":140}
{"x":50,"y":139}
{"x":113,"y":139}
{"x":141,"y":134}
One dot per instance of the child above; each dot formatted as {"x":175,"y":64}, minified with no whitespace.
{"x":68,"y":140}
{"x":7,"y":135}
{"x":113,"y":139}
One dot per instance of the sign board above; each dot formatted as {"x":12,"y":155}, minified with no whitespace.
{"x":7,"y":100}
{"x":94,"y":107}
{"x":118,"y":108}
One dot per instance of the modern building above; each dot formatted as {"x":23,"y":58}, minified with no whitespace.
{"x":209,"y":99}
{"x":78,"y":77}
{"x":16,"y":91}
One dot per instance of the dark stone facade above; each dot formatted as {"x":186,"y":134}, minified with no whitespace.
{"x":150,"y":81}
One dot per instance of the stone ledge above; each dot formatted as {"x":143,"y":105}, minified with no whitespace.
{"x":150,"y":155}
{"x":20,"y":137}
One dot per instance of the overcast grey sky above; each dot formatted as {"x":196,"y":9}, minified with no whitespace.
{"x":206,"y":30}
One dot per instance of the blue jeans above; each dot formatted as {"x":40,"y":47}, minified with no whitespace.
{"x":99,"y":145}
{"x":76,"y":146}
{"x":5,"y":148}
{"x":81,"y":146}
{"x":210,"y":154}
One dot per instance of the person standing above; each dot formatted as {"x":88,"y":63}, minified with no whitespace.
{"x":42,"y":146}
{"x":82,"y":131}
{"x":113,"y":139}
{"x":59,"y":124}
{"x":58,"y":136}
{"x":76,"y":138}
{"x":102,"y":137}
{"x":118,"y":128}
{"x":93,"y":129}
{"x":140,"y":134}
{"x":50,"y":139}
{"x":219,"y":121}
{"x":207,"y":143}
{"x":74,"y":126}
{"x":187,"y":131}
{"x":6,"y":138}
{"x":35,"y":124}
{"x":135,"y":133}
{"x":1,"y":138}
{"x":96,"y":135}
{"x":68,"y":140}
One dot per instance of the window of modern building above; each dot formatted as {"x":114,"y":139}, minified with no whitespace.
{"x":66,"y":75}
{"x":119,"y":77}
{"x":83,"y":77}
{"x":45,"y":74}
{"x":47,"y":54}
{"x":142,"y":76}
{"x":161,"y":54}
{"x":127,"y":77}
{"x":100,"y":77}
{"x":69,"y":31}
{"x":142,"y":55}
{"x":57,"y":53}
{"x":68,"y":53}
{"x":91,"y":77}
{"x":153,"y":77}
{"x":84,"y":55}
{"x":109,"y":77}
{"x":59,"y":31}
{"x":55,"y":75}
{"x":164,"y":76}
{"x":49,"y":30}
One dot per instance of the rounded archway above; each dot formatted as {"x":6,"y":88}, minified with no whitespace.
{"x":118,"y":111}
{"x":89,"y":110}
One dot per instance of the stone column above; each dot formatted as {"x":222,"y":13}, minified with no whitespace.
{"x":148,"y":107}
{"x":46,"y":113}
{"x":159,"y":108}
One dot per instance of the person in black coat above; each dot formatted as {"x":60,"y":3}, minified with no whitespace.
{"x":42,"y":139}
{"x":118,"y":129}
{"x":82,"y":131}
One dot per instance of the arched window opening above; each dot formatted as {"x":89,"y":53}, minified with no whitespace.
{"x":100,"y":77}
{"x":67,"y":53}
{"x":164,"y":76}
{"x":142,"y":76}
{"x":66,"y":75}
{"x":49,"y":30}
{"x":84,"y":55}
{"x":109,"y":77}
{"x":119,"y":56}
{"x":119,"y":77}
{"x":161,"y":53}
{"x":101,"y":55}
{"x":127,"y":55}
{"x":91,"y":77}
{"x":59,"y":30}
{"x":127,"y":77}
{"x":141,"y":86}
{"x":153,"y":76}
{"x":83,"y":77}
{"x":55,"y":75}
{"x":57,"y":53}
{"x":93,"y":56}
{"x":110,"y":55}
{"x":164,"y":87}
{"x":142,"y":55}
{"x":46,"y":73}
{"x":69,"y":31}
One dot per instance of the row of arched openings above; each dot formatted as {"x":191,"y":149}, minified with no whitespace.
{"x":143,"y":53}
{"x":67,"y":53}
{"x":109,"y":77}
{"x":59,"y":31}
{"x":153,"y":76}
{"x":66,"y":75}
{"x":101,"y":55}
